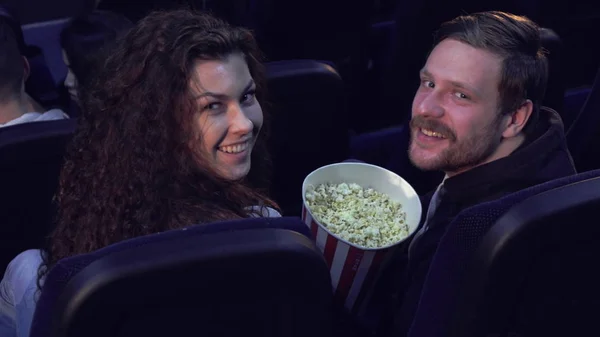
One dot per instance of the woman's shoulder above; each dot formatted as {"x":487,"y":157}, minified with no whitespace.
{"x":26,"y":262}
{"x":22,"y":272}
{"x":271,"y":213}
{"x":264,"y":211}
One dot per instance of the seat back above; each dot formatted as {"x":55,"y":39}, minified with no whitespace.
{"x":32,"y":11}
{"x":251,"y":277}
{"x":440,"y":292}
{"x":533,"y":272}
{"x":555,"y":89}
{"x":41,"y":84}
{"x":573,"y":20}
{"x":583,"y":137}
{"x":46,"y":36}
{"x":31,"y":156}
{"x":310,"y":29}
{"x":309,"y":125}
{"x":236,"y":12}
{"x":135,"y":11}
{"x":334,"y":31}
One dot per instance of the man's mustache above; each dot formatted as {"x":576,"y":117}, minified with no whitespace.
{"x":420,"y":122}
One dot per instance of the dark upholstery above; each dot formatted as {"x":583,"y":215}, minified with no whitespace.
{"x":380,"y":59}
{"x":31,"y":155}
{"x":576,"y":22}
{"x":575,"y":100}
{"x":335,"y":31}
{"x":41,"y":85}
{"x":48,"y":54}
{"x":309,"y":125}
{"x":330,"y":30}
{"x":33,"y":11}
{"x":251,"y":277}
{"x":135,"y":11}
{"x":533,"y":273}
{"x":555,"y":89}
{"x":456,"y":248}
{"x":583,"y":136}
{"x":233,"y":11}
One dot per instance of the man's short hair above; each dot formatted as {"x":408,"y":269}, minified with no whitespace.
{"x":11,"y":64}
{"x":7,"y":15}
{"x":516,"y":39}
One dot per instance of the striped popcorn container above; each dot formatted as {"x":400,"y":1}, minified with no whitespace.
{"x":354,"y":268}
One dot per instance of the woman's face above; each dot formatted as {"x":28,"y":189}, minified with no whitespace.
{"x":229,"y":117}
{"x":70,"y":81}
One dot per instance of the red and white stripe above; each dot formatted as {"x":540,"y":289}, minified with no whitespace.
{"x":350,"y":267}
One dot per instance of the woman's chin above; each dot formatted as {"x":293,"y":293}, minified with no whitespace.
{"x":235,"y":172}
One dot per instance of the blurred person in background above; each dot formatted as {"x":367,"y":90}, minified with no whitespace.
{"x":16,"y":106}
{"x":28,"y":52}
{"x":85,"y":43}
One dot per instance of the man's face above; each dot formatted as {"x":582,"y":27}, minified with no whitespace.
{"x":455,"y":122}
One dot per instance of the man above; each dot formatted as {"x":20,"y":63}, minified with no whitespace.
{"x":16,"y":106}
{"x":477,"y":117}
{"x":8,"y":18}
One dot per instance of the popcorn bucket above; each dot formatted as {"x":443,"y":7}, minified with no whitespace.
{"x":353,"y":268}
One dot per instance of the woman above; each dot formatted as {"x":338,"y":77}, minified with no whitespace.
{"x":171,"y":135}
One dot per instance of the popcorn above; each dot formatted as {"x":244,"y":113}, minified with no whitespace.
{"x":358,"y":215}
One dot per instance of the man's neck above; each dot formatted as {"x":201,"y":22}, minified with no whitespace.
{"x":31,"y":104}
{"x":12,"y":110}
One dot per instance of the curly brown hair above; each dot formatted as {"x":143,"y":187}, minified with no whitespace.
{"x":129,"y":170}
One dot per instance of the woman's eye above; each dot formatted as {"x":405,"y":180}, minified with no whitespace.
{"x":213,"y":106}
{"x":248,"y":97}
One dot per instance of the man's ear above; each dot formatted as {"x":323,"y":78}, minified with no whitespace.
{"x":518,"y":119}
{"x":26,"y":69}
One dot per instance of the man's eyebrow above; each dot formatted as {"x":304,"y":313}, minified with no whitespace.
{"x":424,"y":72}
{"x":465,"y":86}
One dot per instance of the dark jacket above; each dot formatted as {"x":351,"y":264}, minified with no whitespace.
{"x":542,"y":157}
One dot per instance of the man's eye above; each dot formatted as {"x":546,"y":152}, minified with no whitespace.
{"x":461,"y":95}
